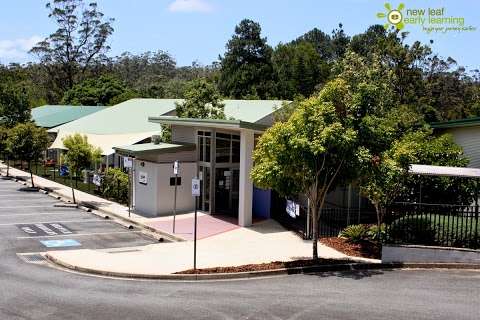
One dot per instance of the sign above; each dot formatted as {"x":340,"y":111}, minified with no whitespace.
{"x":142,"y":178}
{"x":175,"y":167}
{"x":44,"y":229}
{"x":195,"y":187}
{"x":293,"y":209}
{"x":60,"y":243}
{"x":97,"y":180}
{"x":63,"y":170}
{"x":127,"y":162}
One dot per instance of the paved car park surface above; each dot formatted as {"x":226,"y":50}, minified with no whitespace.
{"x":35,"y":222}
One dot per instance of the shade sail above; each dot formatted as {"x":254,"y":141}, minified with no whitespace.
{"x":105,"y":142}
{"x":428,"y":170}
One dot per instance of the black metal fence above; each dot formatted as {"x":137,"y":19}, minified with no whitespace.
{"x":85,"y":182}
{"x":433,"y":224}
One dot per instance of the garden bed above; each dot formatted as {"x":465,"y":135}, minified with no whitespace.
{"x":267,"y":266}
{"x":364,"y":248}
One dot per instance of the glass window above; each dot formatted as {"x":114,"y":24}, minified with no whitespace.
{"x":222,"y":150}
{"x":235,"y":151}
{"x":207,"y":149}
{"x":200,"y":148}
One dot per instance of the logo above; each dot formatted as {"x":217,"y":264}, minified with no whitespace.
{"x":394,"y":16}
{"x":437,"y":20}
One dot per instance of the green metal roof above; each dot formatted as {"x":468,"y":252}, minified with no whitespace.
{"x":467,"y":122}
{"x":250,"y":110}
{"x":211,"y":123}
{"x":132,"y":115}
{"x":127,"y":117}
{"x":49,"y":116}
{"x":159,"y":148}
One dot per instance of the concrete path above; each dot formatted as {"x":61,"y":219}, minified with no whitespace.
{"x":264,"y":242}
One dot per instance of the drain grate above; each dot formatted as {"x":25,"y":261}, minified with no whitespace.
{"x":32,"y":258}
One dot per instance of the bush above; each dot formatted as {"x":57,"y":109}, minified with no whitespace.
{"x":374,"y":232}
{"x":115,"y":185}
{"x":413,"y":230}
{"x":354,"y":233}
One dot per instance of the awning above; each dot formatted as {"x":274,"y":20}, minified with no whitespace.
{"x":428,"y":170}
{"x":159,"y":148}
{"x":105,"y":142}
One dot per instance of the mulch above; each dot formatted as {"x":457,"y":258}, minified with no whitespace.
{"x":266,"y":266}
{"x":364,"y":249}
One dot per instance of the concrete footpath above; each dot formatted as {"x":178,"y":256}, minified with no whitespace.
{"x":264,"y":242}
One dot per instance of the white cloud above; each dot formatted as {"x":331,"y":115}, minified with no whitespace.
{"x":190,"y":6}
{"x":17,"y":50}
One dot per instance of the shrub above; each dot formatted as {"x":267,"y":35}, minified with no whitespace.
{"x":115,"y":185}
{"x":374,"y":232}
{"x":413,"y":230}
{"x":354,"y":233}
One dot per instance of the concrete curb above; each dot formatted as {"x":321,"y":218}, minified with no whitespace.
{"x":265,"y":273}
{"x":89,"y":207}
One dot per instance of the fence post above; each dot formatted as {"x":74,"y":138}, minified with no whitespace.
{"x":476,"y":212}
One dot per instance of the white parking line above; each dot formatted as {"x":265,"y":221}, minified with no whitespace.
{"x":34,"y":214}
{"x":79,"y":234}
{"x":21,"y":207}
{"x":56,"y":221}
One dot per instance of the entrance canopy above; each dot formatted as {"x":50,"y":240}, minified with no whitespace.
{"x":428,"y":170}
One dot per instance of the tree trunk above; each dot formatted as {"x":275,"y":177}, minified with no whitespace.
{"x":8,"y":167}
{"x":379,"y":210}
{"x":314,"y":210}
{"x":73,"y":189}
{"x":31,"y":174}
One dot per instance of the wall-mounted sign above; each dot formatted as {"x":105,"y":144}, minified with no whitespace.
{"x":142,"y":177}
{"x":195,"y":187}
{"x":175,"y":167}
{"x":127,"y":162}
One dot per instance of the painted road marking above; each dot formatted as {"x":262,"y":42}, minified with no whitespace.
{"x":81,"y":234}
{"x":60,"y":243}
{"x":63,"y":221}
{"x":44,"y":229}
{"x":35,"y":214}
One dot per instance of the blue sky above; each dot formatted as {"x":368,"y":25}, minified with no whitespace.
{"x":198,"y":29}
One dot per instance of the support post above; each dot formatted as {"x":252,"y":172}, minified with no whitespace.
{"x":247,"y":141}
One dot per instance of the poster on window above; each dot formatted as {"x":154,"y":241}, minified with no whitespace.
{"x":142,"y":178}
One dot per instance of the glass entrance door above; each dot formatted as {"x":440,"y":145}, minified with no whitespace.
{"x":226,"y":191}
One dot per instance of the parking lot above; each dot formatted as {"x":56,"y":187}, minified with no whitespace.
{"x":35,"y":222}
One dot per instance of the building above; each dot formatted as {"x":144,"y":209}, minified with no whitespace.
{"x":466,"y":133}
{"x":51,"y":116}
{"x":124,"y":123}
{"x":218,"y":152}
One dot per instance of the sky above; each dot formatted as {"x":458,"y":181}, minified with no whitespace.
{"x":197,"y":30}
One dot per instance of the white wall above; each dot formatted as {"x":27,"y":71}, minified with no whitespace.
{"x":156,"y":198}
{"x":469,"y":139}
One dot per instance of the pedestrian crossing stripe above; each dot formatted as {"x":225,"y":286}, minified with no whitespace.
{"x":60,"y":243}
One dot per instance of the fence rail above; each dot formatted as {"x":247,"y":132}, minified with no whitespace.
{"x":433,"y":224}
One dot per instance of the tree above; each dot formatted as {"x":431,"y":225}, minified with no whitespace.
{"x":386,"y":177}
{"x":80,"y":38}
{"x":246,"y":69}
{"x":102,"y":91}
{"x":27,"y":142}
{"x":312,"y":153}
{"x":202,"y":100}
{"x":298,"y":69}
{"x":80,"y":155}
{"x":14,"y":106}
{"x":3,"y":146}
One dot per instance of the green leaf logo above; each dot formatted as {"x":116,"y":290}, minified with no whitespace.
{"x":394,"y":16}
